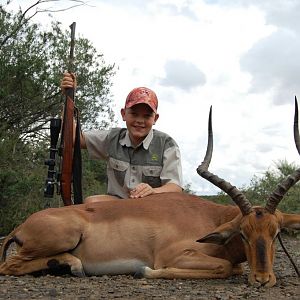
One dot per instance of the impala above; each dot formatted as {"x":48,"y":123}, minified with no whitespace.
{"x":170,"y":235}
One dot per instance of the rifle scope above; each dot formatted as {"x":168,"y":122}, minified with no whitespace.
{"x":55,"y":125}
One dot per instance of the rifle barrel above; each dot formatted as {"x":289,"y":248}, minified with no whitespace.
{"x":71,"y":57}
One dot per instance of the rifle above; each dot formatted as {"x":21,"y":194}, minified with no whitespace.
{"x":70,"y":169}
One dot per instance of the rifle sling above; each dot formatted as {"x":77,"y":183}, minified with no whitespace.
{"x":77,"y":167}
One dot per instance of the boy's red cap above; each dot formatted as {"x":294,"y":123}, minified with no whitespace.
{"x":142,"y":95}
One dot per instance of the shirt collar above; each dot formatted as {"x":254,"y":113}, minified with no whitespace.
{"x":125,"y":141}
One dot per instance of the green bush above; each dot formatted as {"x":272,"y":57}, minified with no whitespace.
{"x":261,"y":187}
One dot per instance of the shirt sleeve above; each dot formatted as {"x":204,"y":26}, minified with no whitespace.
{"x":97,"y":143}
{"x":172,"y":169}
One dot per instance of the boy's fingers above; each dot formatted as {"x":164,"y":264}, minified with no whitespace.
{"x":141,"y":190}
{"x":68,"y":81}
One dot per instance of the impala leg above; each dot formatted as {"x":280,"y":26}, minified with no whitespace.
{"x":18,"y":265}
{"x":189,"y":260}
{"x":211,"y":267}
{"x":171,"y":273}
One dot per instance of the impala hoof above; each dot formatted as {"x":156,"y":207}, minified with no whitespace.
{"x":140,"y":273}
{"x":78,"y":273}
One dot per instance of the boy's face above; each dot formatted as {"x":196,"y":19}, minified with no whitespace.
{"x":139,"y":121}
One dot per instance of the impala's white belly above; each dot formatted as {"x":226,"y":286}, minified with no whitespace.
{"x":115,"y":267}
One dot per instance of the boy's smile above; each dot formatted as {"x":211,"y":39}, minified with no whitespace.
{"x":139,"y":121}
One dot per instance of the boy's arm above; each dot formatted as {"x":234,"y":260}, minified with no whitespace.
{"x":167,"y":188}
{"x":144,"y":189}
{"x":69,"y":81}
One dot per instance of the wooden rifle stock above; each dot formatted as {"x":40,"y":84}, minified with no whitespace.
{"x":67,"y":151}
{"x":67,"y":136}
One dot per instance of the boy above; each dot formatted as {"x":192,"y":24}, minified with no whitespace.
{"x":140,"y":160}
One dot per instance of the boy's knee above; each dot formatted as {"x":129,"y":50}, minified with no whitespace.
{"x":99,"y":198}
{"x":90,"y":199}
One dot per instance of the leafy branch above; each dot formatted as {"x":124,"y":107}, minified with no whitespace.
{"x":28,"y":14}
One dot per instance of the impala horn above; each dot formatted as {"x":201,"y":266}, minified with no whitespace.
{"x":237,"y":196}
{"x":282,"y":188}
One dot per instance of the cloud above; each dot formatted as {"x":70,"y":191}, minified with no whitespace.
{"x":154,"y":7}
{"x":183,"y":10}
{"x":272,"y":61}
{"x":264,"y":148}
{"x":273,"y":66}
{"x":283,"y":14}
{"x":182,"y":74}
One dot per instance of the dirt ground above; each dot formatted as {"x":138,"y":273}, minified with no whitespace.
{"x":65,"y":286}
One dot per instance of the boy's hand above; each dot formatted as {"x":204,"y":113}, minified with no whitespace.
{"x":141,"y":190}
{"x":68,"y":81}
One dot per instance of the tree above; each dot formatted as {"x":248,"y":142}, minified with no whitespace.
{"x":32,"y":61}
{"x":30,"y":12}
{"x":188,"y":189}
{"x":262,"y":186}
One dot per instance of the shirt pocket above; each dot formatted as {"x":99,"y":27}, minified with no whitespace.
{"x":118,"y":169}
{"x":151,"y":175}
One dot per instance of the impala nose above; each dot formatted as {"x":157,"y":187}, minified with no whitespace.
{"x":267,"y":279}
{"x":262,"y":279}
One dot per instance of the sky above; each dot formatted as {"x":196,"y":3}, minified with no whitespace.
{"x":241,"y":57}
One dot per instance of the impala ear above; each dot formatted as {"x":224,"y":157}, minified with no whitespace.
{"x":224,"y":233}
{"x":219,"y":238}
{"x":291,"y":221}
{"x":213,"y":238}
